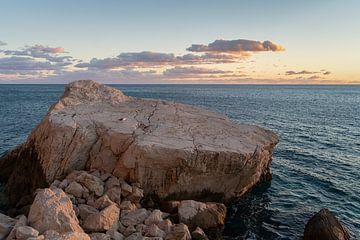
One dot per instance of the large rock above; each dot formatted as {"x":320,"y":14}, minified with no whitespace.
{"x":324,"y":225}
{"x":172,"y":150}
{"x":203,"y":215}
{"x":53,"y":210}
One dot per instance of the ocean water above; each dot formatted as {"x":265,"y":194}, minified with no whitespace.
{"x":315,"y":165}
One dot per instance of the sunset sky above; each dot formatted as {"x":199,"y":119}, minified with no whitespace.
{"x":244,"y":42}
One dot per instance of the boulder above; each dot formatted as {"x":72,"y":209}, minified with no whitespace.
{"x":203,"y":215}
{"x":6,"y":225}
{"x":172,"y":150}
{"x":324,"y":225}
{"x":104,"y":220}
{"x":53,"y":210}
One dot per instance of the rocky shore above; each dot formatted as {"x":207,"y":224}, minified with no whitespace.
{"x":102,"y":165}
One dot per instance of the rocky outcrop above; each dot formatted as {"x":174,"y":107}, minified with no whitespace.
{"x":172,"y":150}
{"x":324,"y":225}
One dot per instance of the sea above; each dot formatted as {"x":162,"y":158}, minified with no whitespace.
{"x":315,"y":165}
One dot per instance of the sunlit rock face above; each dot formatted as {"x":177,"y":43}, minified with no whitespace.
{"x":173,"y":150}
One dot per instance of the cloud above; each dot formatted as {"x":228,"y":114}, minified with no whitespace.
{"x":181,"y":71}
{"x":240,"y":46}
{"x":2,"y":43}
{"x":300,"y":72}
{"x":39,"y":51}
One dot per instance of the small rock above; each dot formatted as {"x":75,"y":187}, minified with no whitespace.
{"x":114,"y":194}
{"x":324,"y":225}
{"x":178,"y":232}
{"x":136,"y":195}
{"x":198,"y":234}
{"x":115,"y":235}
{"x":25,"y":232}
{"x":129,"y":230}
{"x":103,"y":202}
{"x":72,"y":236}
{"x":154,"y":231}
{"x":126,"y":189}
{"x":6,"y":224}
{"x":51,"y":234}
{"x":86,"y":210}
{"x":127,"y":205}
{"x":22,"y":221}
{"x":105,"y":176}
{"x":64,"y":183}
{"x":99,"y":236}
{"x":203,"y":215}
{"x":55,"y":184}
{"x":135,"y":236}
{"x":165,"y":225}
{"x":105,"y":220}
{"x":91,"y":182}
{"x":112,"y":182}
{"x":75,"y":189}
{"x":141,"y":228}
{"x":134,"y":217}
{"x":154,"y":218}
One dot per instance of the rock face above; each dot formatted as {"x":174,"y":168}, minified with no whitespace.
{"x":172,"y":150}
{"x":324,"y":225}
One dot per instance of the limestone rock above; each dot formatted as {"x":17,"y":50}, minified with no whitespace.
{"x":203,"y":215}
{"x":178,"y":232}
{"x":171,"y":149}
{"x":6,"y":224}
{"x":324,"y":225}
{"x":134,"y":217}
{"x":75,"y":189}
{"x":91,"y":182}
{"x":105,"y":220}
{"x":25,"y":232}
{"x":198,"y":234}
{"x":53,"y":210}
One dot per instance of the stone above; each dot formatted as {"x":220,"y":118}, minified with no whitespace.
{"x":103,"y":202}
{"x":52,"y":210}
{"x":165,"y":225}
{"x":115,"y":235}
{"x":6,"y":225}
{"x":64,"y":183}
{"x":134,"y":217}
{"x":178,"y":232}
{"x":114,"y":194}
{"x":22,"y":221}
{"x":203,"y":215}
{"x":126,"y":189}
{"x":136,"y":195}
{"x":25,"y":232}
{"x":154,"y":218}
{"x":51,"y":234}
{"x":198,"y":234}
{"x":324,"y":225}
{"x":129,"y":230}
{"x":154,"y":231}
{"x":135,"y":236}
{"x":104,"y":220}
{"x":75,"y":189}
{"x":112,"y":182}
{"x":86,"y":210}
{"x":127,"y":205}
{"x":171,"y":149}
{"x":72,"y":236}
{"x":99,"y":236}
{"x":141,"y":228}
{"x":92,"y":183}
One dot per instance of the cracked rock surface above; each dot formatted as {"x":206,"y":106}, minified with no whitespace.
{"x":173,"y":150}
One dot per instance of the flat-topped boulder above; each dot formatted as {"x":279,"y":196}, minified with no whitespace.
{"x":173,"y":150}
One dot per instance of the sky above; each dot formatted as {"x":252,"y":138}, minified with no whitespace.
{"x":216,"y":42}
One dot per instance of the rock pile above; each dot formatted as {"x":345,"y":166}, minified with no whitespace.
{"x":89,"y":205}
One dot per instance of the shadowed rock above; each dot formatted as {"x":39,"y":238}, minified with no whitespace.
{"x":173,"y":150}
{"x":324,"y":226}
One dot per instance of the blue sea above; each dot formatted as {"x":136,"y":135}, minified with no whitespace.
{"x":315,"y":165}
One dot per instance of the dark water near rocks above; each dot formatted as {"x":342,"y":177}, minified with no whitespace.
{"x":316,"y":164}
